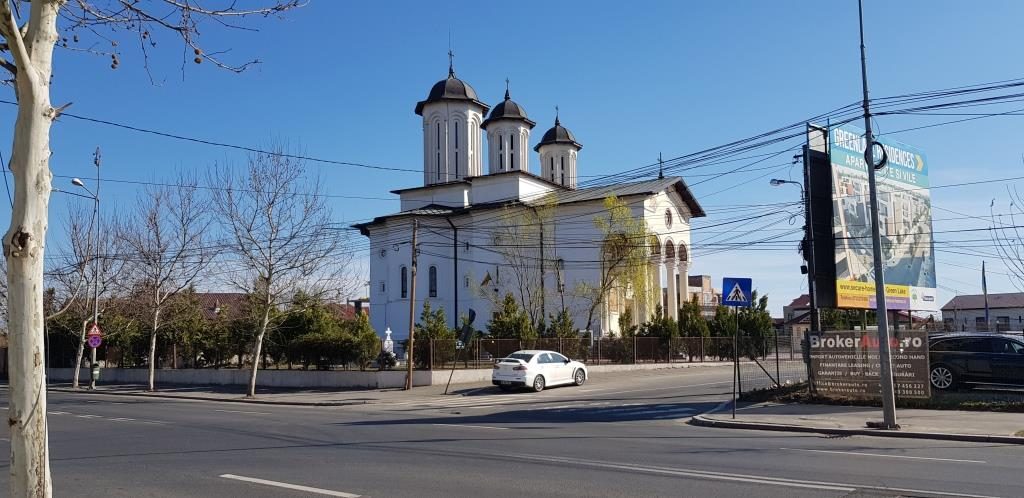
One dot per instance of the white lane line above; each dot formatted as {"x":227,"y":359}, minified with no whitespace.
{"x":471,"y":426}
{"x":87,"y":416}
{"x":724,"y":476}
{"x":239,"y":411}
{"x":285,"y":485}
{"x":886,"y":456}
{"x":59,"y":413}
{"x":123,"y":419}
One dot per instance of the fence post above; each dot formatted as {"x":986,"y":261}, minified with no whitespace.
{"x":634,"y":350}
{"x":560,"y":346}
{"x":430,"y":350}
{"x":778,"y":380}
{"x":598,"y":351}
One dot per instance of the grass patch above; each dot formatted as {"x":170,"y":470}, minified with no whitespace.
{"x":967,"y":401}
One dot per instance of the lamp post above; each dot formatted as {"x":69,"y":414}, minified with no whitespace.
{"x":95,"y":236}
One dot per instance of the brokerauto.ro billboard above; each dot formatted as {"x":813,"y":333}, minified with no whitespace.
{"x":905,"y":224}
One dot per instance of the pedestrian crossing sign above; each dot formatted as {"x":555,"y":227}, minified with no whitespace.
{"x":737,"y":291}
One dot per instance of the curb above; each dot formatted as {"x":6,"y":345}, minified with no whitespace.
{"x":702,"y":421}
{"x":218,"y":400}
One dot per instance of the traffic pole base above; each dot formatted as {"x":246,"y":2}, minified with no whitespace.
{"x":874,"y":424}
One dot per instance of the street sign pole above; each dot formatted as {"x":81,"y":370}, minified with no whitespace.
{"x":736,"y":292}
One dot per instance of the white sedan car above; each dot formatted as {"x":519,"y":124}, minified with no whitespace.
{"x":537,"y":369}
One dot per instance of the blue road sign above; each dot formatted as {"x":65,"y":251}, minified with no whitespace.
{"x":737,"y":291}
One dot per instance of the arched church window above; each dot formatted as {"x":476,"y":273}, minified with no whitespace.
{"x":456,"y":149}
{"x":552,"y":162}
{"x":668,"y":218}
{"x":405,"y":282}
{"x":432,"y":277}
{"x":512,"y":152}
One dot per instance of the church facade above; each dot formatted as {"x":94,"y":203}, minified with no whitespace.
{"x":515,"y":227}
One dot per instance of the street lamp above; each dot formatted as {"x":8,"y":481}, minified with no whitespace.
{"x":95,"y":236}
{"x":775,"y":182}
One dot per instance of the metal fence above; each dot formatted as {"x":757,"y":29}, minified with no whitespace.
{"x":482,"y":353}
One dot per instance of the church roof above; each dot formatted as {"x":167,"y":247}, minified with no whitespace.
{"x":558,"y":134}
{"x":563,"y":195}
{"x":647,"y":187}
{"x":507,"y":109}
{"x":450,"y":88}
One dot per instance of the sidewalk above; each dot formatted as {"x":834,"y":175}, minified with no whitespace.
{"x":270,"y":396}
{"x":850,"y":420}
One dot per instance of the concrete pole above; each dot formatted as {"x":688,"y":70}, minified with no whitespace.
{"x":884,"y":357}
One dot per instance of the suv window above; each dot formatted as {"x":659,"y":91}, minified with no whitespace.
{"x":947,"y":345}
{"x":1006,"y":347}
{"x":978,"y":345}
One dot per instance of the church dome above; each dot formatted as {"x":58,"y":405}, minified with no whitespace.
{"x":558,"y":134}
{"x":450,"y":88}
{"x":507,"y":109}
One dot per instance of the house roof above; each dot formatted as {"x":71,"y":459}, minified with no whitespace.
{"x":801,"y":302}
{"x":213,"y":302}
{"x":977,"y":301}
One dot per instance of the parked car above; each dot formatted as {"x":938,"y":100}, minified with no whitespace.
{"x":537,"y":370}
{"x":968,"y":359}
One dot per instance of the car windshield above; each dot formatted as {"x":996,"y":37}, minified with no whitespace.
{"x":520,"y":356}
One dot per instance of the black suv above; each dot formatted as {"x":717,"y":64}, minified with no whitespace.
{"x":961,"y":359}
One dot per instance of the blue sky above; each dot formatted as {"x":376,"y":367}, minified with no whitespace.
{"x":632,"y":80}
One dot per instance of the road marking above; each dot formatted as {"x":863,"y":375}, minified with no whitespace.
{"x":724,"y":476}
{"x":239,"y":411}
{"x":286,"y":485}
{"x":59,"y":413}
{"x":654,"y":388}
{"x":472,"y":426}
{"x":886,"y":456}
{"x":88,"y":416}
{"x":123,"y":419}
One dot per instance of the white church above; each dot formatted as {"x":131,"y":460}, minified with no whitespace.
{"x":469,"y":253}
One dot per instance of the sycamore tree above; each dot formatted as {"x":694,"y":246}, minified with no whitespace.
{"x":524,"y":237}
{"x":624,"y":256}
{"x":31,"y":31}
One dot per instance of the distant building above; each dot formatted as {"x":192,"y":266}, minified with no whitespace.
{"x":796,"y":316}
{"x":967,"y":312}
{"x":699,"y":287}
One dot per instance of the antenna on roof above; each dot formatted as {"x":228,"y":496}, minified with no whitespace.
{"x":661,"y":168}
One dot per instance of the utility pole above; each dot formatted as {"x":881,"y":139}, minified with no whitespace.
{"x":412,"y":310}
{"x":885,"y":379}
{"x":93,"y":366}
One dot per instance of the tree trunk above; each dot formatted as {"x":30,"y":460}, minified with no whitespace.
{"x":257,"y":351}
{"x":24,"y":249}
{"x":152,"y":350}
{"x":79,"y":355}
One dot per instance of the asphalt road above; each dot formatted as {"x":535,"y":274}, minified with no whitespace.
{"x":618,"y":435}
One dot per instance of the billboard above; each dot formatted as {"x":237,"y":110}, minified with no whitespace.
{"x":846,"y":363}
{"x":905,"y":224}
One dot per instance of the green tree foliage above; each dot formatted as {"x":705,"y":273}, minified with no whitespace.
{"x":694,"y":327}
{"x":756,"y":326}
{"x":435,"y":341}
{"x":624,"y":255}
{"x":511,"y":322}
{"x":722,"y":328}
{"x":662,"y":327}
{"x":626,"y":327}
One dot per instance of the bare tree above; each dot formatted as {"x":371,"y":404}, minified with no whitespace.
{"x":30,"y":32}
{"x":282,"y":236}
{"x":166,"y":238}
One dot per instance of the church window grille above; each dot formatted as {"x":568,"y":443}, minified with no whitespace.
{"x":552,"y":162}
{"x":562,"y":167}
{"x":405,"y":282}
{"x":456,"y":149}
{"x":433,"y":281}
{"x":512,"y":152}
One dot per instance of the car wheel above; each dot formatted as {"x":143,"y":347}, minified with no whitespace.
{"x":579,"y":377}
{"x":942,"y":378}
{"x":538,"y":383}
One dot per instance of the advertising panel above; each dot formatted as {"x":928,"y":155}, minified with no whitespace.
{"x":845,"y":363}
{"x":905,"y":224}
